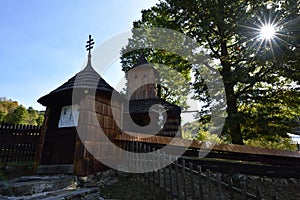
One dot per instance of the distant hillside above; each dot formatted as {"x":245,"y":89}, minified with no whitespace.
{"x":13,"y":113}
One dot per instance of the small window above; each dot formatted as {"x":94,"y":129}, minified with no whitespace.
{"x":69,"y":116}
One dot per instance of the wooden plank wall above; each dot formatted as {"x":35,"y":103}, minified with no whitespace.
{"x":137,"y":87}
{"x":97,"y":127}
{"x":170,"y":129}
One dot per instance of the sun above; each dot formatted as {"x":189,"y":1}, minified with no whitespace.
{"x":267,"y":32}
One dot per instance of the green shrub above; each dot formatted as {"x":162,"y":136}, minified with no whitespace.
{"x":272,"y":143}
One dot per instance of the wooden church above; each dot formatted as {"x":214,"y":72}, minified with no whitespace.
{"x":84,"y":104}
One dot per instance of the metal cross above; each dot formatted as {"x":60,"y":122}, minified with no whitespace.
{"x":90,"y":44}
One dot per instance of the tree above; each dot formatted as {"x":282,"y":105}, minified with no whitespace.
{"x":6,"y":107}
{"x":40,"y":120}
{"x":31,"y":116}
{"x":199,"y":131}
{"x":253,"y":68}
{"x":18,"y":116}
{"x":270,"y":118}
{"x":13,"y":113}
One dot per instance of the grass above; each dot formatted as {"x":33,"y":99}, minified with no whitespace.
{"x":128,"y":188}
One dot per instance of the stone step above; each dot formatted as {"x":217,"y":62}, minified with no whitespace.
{"x":70,"y":194}
{"x":30,"y":185}
{"x":55,"y":169}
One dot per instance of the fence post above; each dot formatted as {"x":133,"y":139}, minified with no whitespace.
{"x":243,"y":184}
{"x":129,"y":146}
{"x":165,"y":172}
{"x":144,"y":162}
{"x":178,"y":180}
{"x":140,"y":161}
{"x":136,"y":150}
{"x":231,"y":195}
{"x":184,"y":179}
{"x":141,"y":164}
{"x":210,"y":195}
{"x":158,"y":165}
{"x":258,"y":193}
{"x":200,"y":182}
{"x":149,"y":163}
{"x":219,"y":185}
{"x":153,"y":172}
{"x":170,"y":179}
{"x":192,"y":180}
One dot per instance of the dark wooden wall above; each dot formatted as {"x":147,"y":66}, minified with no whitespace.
{"x":170,"y":128}
{"x":59,"y":143}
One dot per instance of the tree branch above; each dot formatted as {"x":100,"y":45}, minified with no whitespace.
{"x":255,"y":80}
{"x":211,"y":47}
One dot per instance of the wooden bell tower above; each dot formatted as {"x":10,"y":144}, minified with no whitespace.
{"x":142,"y":81}
{"x":145,"y":102}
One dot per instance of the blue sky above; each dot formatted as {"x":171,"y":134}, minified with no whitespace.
{"x":42,"y":41}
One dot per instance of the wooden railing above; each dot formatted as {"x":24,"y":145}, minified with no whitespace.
{"x":187,"y":179}
{"x":18,"y":143}
{"x":220,"y":151}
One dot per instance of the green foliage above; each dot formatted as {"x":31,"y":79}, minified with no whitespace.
{"x":13,"y":113}
{"x":200,"y":132}
{"x":207,"y":137}
{"x":253,"y":70}
{"x":6,"y":106}
{"x":18,"y":116}
{"x":190,"y":130}
{"x":272,"y":118}
{"x":276,"y":142}
{"x":40,"y":119}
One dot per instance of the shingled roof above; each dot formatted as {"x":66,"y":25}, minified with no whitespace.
{"x":88,"y":78}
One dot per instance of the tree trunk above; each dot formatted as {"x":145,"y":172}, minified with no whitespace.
{"x":232,"y":121}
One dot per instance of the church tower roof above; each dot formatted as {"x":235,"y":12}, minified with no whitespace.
{"x":88,"y":79}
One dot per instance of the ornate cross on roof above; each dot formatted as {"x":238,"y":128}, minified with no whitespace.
{"x":90,"y":44}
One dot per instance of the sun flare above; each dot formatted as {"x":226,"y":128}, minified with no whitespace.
{"x":267,"y":32}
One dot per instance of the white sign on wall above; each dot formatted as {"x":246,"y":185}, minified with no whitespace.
{"x":69,"y":116}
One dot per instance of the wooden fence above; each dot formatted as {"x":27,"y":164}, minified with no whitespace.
{"x":184,"y":179}
{"x":18,"y":143}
